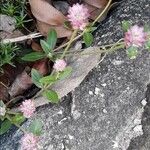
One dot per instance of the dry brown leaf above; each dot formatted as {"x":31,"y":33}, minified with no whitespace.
{"x":61,"y":31}
{"x":35,"y":46}
{"x":22,"y":82}
{"x":45,"y":12}
{"x":97,"y":3}
{"x":41,"y":66}
{"x":94,"y":12}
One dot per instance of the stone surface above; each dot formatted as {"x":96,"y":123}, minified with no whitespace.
{"x":106,"y":111}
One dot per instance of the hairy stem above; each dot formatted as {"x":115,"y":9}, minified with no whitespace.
{"x":100,"y":15}
{"x":17,"y":125}
{"x":69,"y":43}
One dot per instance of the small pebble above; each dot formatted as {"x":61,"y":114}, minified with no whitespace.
{"x":76,"y":115}
{"x":137,"y":121}
{"x":102,"y":95}
{"x":128,"y":88}
{"x":90,"y":92}
{"x":70,"y":137}
{"x":60,"y":112}
{"x":104,"y":111}
{"x":104,"y":84}
{"x":115,"y":144}
{"x":97,"y":90}
{"x":138,"y":128}
{"x":144,"y":102}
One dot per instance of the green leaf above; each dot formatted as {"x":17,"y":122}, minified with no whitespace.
{"x":48,"y":79}
{"x":36,"y":76}
{"x":90,"y":29}
{"x":36,"y":127}
{"x":88,"y":38}
{"x":51,"y":95}
{"x":64,"y":74}
{"x":125,"y":25}
{"x":132,"y":52}
{"x":147,"y":28}
{"x":147,"y":44}
{"x":18,"y":119}
{"x":52,"y":39}
{"x":5,"y":126}
{"x":2,"y":104}
{"x":45,"y":46}
{"x":33,"y":56}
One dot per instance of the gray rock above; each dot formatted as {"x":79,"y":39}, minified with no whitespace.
{"x":7,"y":23}
{"x":112,"y":116}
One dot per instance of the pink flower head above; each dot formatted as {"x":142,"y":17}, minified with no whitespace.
{"x":60,"y":65}
{"x":29,"y":142}
{"x":28,"y":108}
{"x":78,"y":16}
{"x":135,"y":36}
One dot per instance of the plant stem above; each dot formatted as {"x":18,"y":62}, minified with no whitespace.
{"x":102,"y":47}
{"x":98,"y":51}
{"x":100,"y":15}
{"x":79,"y":36}
{"x":17,"y":125}
{"x":69,"y":43}
{"x":11,"y":113}
{"x":115,"y":46}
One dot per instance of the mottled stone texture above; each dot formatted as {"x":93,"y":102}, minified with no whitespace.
{"x":105,"y":112}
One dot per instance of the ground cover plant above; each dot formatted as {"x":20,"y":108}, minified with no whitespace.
{"x":42,"y":61}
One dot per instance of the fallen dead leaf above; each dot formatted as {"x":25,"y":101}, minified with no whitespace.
{"x":41,"y":66}
{"x":97,"y":3}
{"x":35,"y":46}
{"x":61,"y":31}
{"x":22,"y":82}
{"x":45,"y":12}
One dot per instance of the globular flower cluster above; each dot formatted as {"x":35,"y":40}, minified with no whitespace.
{"x":60,"y":65}
{"x":27,"y":108}
{"x":135,"y":36}
{"x":78,"y":16}
{"x":29,"y":142}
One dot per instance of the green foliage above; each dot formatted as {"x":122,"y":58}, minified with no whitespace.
{"x":147,"y":28}
{"x":147,"y":44}
{"x":51,"y":95}
{"x":64,"y":74}
{"x":36,"y":76}
{"x":5,"y":126}
{"x":52,"y":39}
{"x":88,"y":38}
{"x":9,"y":9}
{"x":16,"y":9}
{"x":132,"y":52}
{"x":36,"y":127}
{"x":48,"y":79}
{"x":20,"y":20}
{"x":45,"y":46}
{"x":7,"y":53}
{"x":18,"y":119}
{"x":125,"y":25}
{"x":33,"y":56}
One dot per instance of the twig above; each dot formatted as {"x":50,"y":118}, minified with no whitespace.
{"x":101,"y":14}
{"x":21,"y":38}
